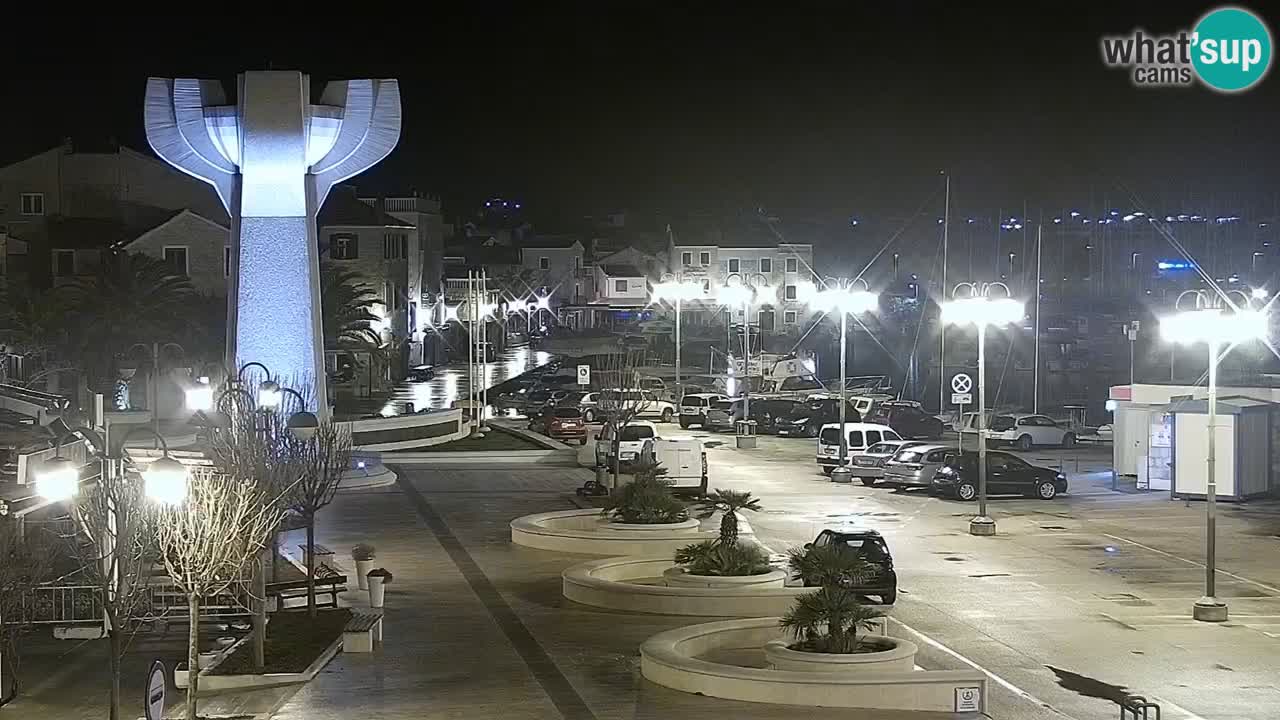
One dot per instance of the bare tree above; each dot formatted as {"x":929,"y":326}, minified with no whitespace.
{"x":25,"y":559}
{"x":206,"y":542}
{"x":326,"y":454}
{"x":621,"y":399}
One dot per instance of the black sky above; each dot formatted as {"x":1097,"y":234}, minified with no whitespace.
{"x":580,"y":107}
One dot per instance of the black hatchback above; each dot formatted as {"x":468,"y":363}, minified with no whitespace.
{"x":1006,"y":475}
{"x":806,"y":419}
{"x":871,"y":547}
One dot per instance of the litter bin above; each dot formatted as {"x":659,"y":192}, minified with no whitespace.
{"x":746,"y":434}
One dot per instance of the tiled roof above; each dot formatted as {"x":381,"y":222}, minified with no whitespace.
{"x":344,"y":209}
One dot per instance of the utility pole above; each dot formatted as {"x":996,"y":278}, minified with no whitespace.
{"x":1035,"y":375}
{"x":942,"y":327}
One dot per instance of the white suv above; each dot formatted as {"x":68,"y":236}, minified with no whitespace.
{"x":651,"y":406}
{"x":694,"y":407}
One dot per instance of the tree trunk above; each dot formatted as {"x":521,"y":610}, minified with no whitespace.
{"x":259,"y":613}
{"x":193,"y":654}
{"x":311,"y":566}
{"x":729,"y":527}
{"x":113,"y":647}
{"x":617,"y":458}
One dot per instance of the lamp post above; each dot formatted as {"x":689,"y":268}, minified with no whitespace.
{"x":154,"y":390}
{"x":671,"y":287}
{"x":1208,"y":321}
{"x":843,"y":296}
{"x":978,"y":307}
{"x":746,"y":290}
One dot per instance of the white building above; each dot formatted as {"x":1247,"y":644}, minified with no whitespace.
{"x":554,"y":262}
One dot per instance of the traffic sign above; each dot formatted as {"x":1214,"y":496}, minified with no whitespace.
{"x":961,"y":383}
{"x":968,"y":699}
{"x":961,"y":398}
{"x":584,"y":374}
{"x":153,"y":703}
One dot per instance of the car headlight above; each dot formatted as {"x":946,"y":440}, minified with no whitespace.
{"x":946,"y":471}
{"x":1061,"y":476}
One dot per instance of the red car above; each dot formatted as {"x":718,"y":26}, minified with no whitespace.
{"x":562,"y":423}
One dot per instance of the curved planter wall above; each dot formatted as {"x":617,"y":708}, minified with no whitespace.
{"x":900,"y":657}
{"x":677,"y":577}
{"x":585,"y":532}
{"x":671,"y":659}
{"x":611,"y":584}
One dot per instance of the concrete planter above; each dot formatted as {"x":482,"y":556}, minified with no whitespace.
{"x":898,"y":656}
{"x":690,"y":525}
{"x":362,"y":573}
{"x":377,"y":591}
{"x":679,"y":577}
{"x":586,"y":532}
{"x":615,"y":583}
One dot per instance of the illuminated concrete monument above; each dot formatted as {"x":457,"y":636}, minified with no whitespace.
{"x":273,"y":157}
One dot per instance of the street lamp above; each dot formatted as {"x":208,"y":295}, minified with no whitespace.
{"x":672,"y":288}
{"x":165,"y":479}
{"x":844,"y":297}
{"x":978,"y":307}
{"x":1211,"y":323}
{"x":746,"y":290}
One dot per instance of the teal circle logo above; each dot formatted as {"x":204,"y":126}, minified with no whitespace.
{"x":1231,"y":49}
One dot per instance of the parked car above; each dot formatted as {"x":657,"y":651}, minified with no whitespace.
{"x":538,"y":400}
{"x":1024,"y":431}
{"x":685,"y":462}
{"x":657,"y":385}
{"x":908,"y":419}
{"x":421,"y":373}
{"x":723,"y":415}
{"x":694,"y":407}
{"x":651,"y":407}
{"x":561,"y":423}
{"x":1006,"y":475}
{"x":860,"y":436}
{"x":914,"y":467}
{"x":868,"y":465}
{"x":631,"y":440}
{"x":767,"y":412}
{"x":808,"y":418}
{"x":871,"y":547}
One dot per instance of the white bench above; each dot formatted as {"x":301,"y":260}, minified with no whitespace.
{"x":362,"y":633}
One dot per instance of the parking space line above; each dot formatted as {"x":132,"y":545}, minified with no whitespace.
{"x":1241,"y":578}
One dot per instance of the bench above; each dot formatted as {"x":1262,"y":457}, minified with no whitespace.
{"x":329,"y":582}
{"x":323,"y":554}
{"x":362,"y":632}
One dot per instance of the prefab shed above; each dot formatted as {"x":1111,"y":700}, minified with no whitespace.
{"x":1247,"y":455}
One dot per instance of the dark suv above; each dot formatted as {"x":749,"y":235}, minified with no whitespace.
{"x":1006,"y":475}
{"x":907,"y":419}
{"x":870,"y":546}
{"x":807,"y":418}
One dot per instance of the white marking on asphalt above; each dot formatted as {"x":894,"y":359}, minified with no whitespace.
{"x":996,"y":678}
{"x":1232,"y":575}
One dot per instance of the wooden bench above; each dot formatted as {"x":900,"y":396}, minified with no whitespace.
{"x":323,"y":554}
{"x":362,"y":633}
{"x":329,"y":582}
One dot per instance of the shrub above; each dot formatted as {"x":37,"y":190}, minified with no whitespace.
{"x":363,"y":551}
{"x":646,"y":500}
{"x":718,"y":559}
{"x":383,"y":573}
{"x":827,"y":621}
{"x":728,"y":502}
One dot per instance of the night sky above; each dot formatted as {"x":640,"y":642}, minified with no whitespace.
{"x":610,"y":105}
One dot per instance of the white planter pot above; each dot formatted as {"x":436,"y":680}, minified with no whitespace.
{"x":362,"y":572}
{"x":376,"y":591}
{"x":678,"y":577}
{"x":900,"y":657}
{"x":205,"y":659}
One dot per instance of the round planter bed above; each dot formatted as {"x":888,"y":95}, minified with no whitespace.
{"x":896,"y":656}
{"x":586,"y":532}
{"x":679,"y":577}
{"x":635,"y":584}
{"x":690,"y":525}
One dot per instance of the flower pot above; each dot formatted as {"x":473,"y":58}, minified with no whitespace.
{"x":897,"y":656}
{"x":362,"y":573}
{"x":376,"y":591}
{"x":205,"y":659}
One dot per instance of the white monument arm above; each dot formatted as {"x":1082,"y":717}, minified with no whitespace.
{"x":370,"y":129}
{"x":175,"y":120}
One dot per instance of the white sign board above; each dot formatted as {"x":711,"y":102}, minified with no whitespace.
{"x":961,"y":398}
{"x":961,"y":383}
{"x":153,"y":703}
{"x":584,"y":374}
{"x":968,"y":699}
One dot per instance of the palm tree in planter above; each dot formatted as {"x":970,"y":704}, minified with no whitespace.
{"x":647,"y":499}
{"x":724,"y":556}
{"x":827,"y":621}
{"x":728,"y":502}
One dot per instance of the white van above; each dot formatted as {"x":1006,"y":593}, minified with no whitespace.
{"x":685,"y":460}
{"x":860,"y":437}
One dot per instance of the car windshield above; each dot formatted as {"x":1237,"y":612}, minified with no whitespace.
{"x":870,"y":549}
{"x":1002,"y":422}
{"x":636,"y":432}
{"x":568,"y":412}
{"x":692,"y":401}
{"x":908,"y":456}
{"x":539,"y":394}
{"x":724,"y":405}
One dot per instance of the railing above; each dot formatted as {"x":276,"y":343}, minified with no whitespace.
{"x":1136,"y":707}
{"x":82,"y":604}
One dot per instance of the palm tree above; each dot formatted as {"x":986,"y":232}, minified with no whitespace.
{"x":829,"y":566}
{"x":728,"y":502}
{"x":828,"y":620}
{"x":345,"y":301}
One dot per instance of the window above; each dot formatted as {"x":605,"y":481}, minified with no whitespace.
{"x":388,"y":295}
{"x":32,"y":203}
{"x":686,"y":258}
{"x":706,"y":286}
{"x":704,"y":258}
{"x":855,"y":438}
{"x":175,"y":259}
{"x":544,"y":263}
{"x":789,"y":292}
{"x":792,"y":265}
{"x":64,"y":263}
{"x":226,"y":261}
{"x":873,"y":437}
{"x":735,"y":265}
{"x":766,"y":265}
{"x":344,"y":246}
{"x":620,"y":286}
{"x":395,"y":246}
{"x":789,"y":317}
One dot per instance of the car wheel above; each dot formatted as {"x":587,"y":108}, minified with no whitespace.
{"x":1046,"y":490}
{"x":666,"y":415}
{"x":890,"y":597}
{"x":827,"y":470}
{"x":589,"y":416}
{"x":1024,"y":443}
{"x":684,"y":425}
{"x":966,"y":491}
{"x":868,"y":481}
{"x":1069,"y":440}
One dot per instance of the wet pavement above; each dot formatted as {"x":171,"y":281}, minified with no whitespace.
{"x":451,"y":382}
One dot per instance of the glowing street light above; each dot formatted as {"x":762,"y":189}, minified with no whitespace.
{"x":200,"y":396}
{"x":845,"y":298}
{"x":978,"y":307}
{"x":58,"y":480}
{"x":745,"y":291}
{"x":1210,"y":323}
{"x":676,"y":290}
{"x":165,"y":481}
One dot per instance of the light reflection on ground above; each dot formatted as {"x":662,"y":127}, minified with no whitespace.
{"x":450,"y":383}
